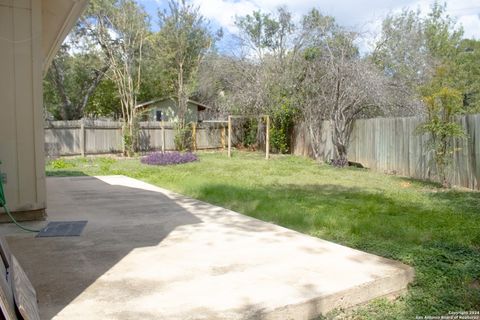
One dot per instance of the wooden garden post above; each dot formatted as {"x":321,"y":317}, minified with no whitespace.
{"x":194,"y":136}
{"x":267,"y":138}
{"x":229,"y":136}
{"x":163,"y":136}
{"x":223,"y":137}
{"x":82,"y":137}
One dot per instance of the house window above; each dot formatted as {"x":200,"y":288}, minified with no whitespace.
{"x":158,"y":115}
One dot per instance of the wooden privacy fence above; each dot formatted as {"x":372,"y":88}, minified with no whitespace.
{"x":81,"y":137}
{"x":391,"y":145}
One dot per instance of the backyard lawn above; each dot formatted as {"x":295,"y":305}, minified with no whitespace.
{"x":435,"y":231}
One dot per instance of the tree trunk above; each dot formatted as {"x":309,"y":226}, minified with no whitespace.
{"x":68,"y":110}
{"x":182,"y":103}
{"x":340,"y":137}
{"x":59,"y":80}
{"x":97,"y":77}
{"x":313,"y":140}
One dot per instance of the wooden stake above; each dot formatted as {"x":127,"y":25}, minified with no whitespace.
{"x":163,"y":136}
{"x":267,"y":139}
{"x":223,"y":137}
{"x":82,"y":137}
{"x":194,"y":136}
{"x":229,"y":136}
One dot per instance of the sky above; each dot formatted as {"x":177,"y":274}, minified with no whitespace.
{"x":362,"y":15}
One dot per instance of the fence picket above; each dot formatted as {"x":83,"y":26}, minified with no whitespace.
{"x":393,"y":145}
{"x":64,"y":138}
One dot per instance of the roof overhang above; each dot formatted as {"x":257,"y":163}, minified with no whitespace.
{"x":58,"y":18}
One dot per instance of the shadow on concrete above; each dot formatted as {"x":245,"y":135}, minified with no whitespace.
{"x":120,"y":219}
{"x":123,"y":219}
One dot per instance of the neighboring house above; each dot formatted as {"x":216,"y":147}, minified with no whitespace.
{"x":166,"y":109}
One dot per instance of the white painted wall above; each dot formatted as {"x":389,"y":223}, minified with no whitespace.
{"x":21,"y":123}
{"x":27,"y":44}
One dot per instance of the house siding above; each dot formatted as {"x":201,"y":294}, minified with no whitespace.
{"x":21,"y":116}
{"x":30,"y":33}
{"x":170,"y":111}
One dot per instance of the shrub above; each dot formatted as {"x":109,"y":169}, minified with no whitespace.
{"x":442,"y":106}
{"x":166,"y":158}
{"x":61,"y":164}
{"x":282,"y":119}
{"x":130,"y":138}
{"x":105,"y":163}
{"x":183,"y":138}
{"x":250,"y":132}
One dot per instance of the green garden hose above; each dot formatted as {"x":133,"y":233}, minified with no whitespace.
{"x":3,"y":204}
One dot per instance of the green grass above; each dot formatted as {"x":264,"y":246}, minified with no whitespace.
{"x":434,"y":230}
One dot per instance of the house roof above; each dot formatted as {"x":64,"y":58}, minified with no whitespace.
{"x":146,"y":104}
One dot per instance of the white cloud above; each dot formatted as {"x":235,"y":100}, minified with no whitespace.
{"x":347,"y":12}
{"x":466,"y":12}
{"x":471,"y":25}
{"x":224,"y":12}
{"x":365,"y":15}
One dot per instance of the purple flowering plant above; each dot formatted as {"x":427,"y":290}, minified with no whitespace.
{"x":167,"y":158}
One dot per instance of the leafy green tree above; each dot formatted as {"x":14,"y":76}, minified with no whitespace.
{"x":72,"y":80}
{"x":182,"y":42}
{"x":442,"y":107}
{"x":266,"y":34}
{"x":442,"y":35}
{"x":426,"y":58}
{"x":120,"y":28}
{"x":181,"y":45}
{"x":411,"y":48}
{"x":467,"y":74}
{"x":105,"y":101}
{"x":156,"y":81}
{"x":282,"y":122}
{"x":266,"y":62}
{"x":336,"y":84}
{"x":400,"y":52}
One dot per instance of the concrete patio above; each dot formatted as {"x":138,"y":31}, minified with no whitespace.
{"x":152,"y":254}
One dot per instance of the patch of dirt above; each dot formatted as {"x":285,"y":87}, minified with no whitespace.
{"x":475,"y":284}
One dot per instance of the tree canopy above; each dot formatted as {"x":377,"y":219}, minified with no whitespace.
{"x":309,"y":69}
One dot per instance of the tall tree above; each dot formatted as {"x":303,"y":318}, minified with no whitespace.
{"x":431,"y":69}
{"x":336,"y":84}
{"x":105,"y":101}
{"x":120,"y":28}
{"x":73,"y":77}
{"x":266,"y":34}
{"x":264,"y":68}
{"x":442,"y":34}
{"x":401,"y":50}
{"x":182,"y":42}
{"x":410,"y":49}
{"x":467,"y":75}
